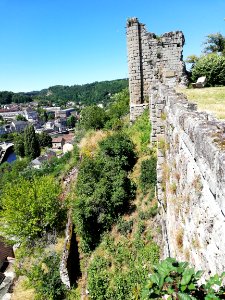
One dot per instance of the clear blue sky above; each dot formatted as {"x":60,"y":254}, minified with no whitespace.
{"x":49,"y":42}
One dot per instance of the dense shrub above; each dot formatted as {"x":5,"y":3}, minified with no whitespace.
{"x":103,"y":192}
{"x":30,"y":208}
{"x":118,"y":109}
{"x":103,"y":189}
{"x":44,"y":277}
{"x":213,"y":67}
{"x":124,"y":227}
{"x":148,"y":174}
{"x":139,"y":132}
{"x":93,"y":117}
{"x":123,"y":269}
{"x":119,"y":148}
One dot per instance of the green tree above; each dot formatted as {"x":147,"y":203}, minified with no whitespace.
{"x":71,"y":121}
{"x":215,"y":43}
{"x":103,"y":189}
{"x":31,"y":143}
{"x":42,"y":114}
{"x":5,"y":97}
{"x":148,"y":174}
{"x":103,"y":192}
{"x":93,"y":117}
{"x":19,"y":145}
{"x":213,"y":67}
{"x":29,"y":208}
{"x":45,"y":139}
{"x":119,"y":148}
{"x":192,"y":59}
{"x":118,"y":109}
{"x":20,"y":118}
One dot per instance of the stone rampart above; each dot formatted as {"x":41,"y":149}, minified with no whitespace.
{"x":190,"y":179}
{"x":152,"y":58}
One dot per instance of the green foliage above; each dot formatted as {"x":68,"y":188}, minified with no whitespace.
{"x":215,"y":43}
{"x":119,"y":148}
{"x":5,"y":97}
{"x":139,"y":132}
{"x":92,"y":93}
{"x":44,"y":139}
{"x":178,"y":281}
{"x":71,"y":121}
{"x":148,"y":174}
{"x":20,"y":118}
{"x":213,"y":67}
{"x":44,"y":277}
{"x":103,"y":189}
{"x":98,"y":278}
{"x":93,"y":117}
{"x":96,"y":92}
{"x":124,"y":227}
{"x":150,"y":213}
{"x":30,"y":208}
{"x":19,"y":145}
{"x":103,"y":192}
{"x":31,"y":143}
{"x":9,"y":172}
{"x":192,"y":59}
{"x":118,"y":109}
{"x":123,"y":269}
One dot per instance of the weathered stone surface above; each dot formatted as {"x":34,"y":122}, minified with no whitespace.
{"x":192,"y":173}
{"x":152,"y":58}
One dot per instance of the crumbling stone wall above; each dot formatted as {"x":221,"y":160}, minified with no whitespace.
{"x":152,"y":58}
{"x":190,"y":179}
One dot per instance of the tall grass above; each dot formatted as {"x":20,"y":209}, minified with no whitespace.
{"x":210,"y":99}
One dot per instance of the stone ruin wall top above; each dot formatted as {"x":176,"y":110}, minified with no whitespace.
{"x":152,"y":58}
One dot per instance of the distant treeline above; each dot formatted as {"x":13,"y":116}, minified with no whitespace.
{"x":92,"y":93}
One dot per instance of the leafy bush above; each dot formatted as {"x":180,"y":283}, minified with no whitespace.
{"x":103,"y":192}
{"x":103,"y":189}
{"x":148,"y":174}
{"x":119,"y":148}
{"x":30,"y":208}
{"x":176,"y":280}
{"x":139,"y":132}
{"x":98,"y":278}
{"x":124,"y":227}
{"x":44,"y":277}
{"x":213,"y":67}
{"x":93,"y":117}
{"x":118,"y":109}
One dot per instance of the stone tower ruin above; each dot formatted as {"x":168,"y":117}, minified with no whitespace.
{"x":152,"y":59}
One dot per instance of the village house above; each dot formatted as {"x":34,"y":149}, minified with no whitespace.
{"x":18,"y":126}
{"x":30,"y":115}
{"x":58,"y":142}
{"x":37,"y":163}
{"x":65,"y":113}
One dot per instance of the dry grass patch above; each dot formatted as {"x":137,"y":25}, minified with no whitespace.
{"x":21,"y":290}
{"x":89,"y":144}
{"x":211,"y":100}
{"x":179,"y":238}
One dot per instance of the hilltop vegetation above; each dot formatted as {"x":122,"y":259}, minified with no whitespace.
{"x":91,"y":93}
